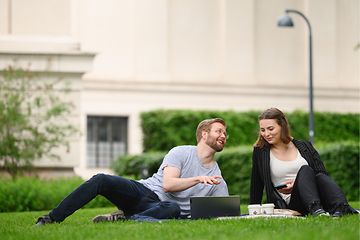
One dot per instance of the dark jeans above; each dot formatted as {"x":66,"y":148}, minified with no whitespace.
{"x":128,"y":195}
{"x":312,"y":190}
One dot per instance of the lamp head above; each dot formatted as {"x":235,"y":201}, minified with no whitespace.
{"x":285,"y":21}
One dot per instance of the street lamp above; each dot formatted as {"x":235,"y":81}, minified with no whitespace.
{"x":286,"y":21}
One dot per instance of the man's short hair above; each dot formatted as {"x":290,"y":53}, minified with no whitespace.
{"x":205,"y":125}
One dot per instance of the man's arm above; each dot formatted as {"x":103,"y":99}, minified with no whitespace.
{"x":173,"y":183}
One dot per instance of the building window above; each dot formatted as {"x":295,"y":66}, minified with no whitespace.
{"x":106,"y":140}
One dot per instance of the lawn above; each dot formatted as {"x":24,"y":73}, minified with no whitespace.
{"x":20,"y":225}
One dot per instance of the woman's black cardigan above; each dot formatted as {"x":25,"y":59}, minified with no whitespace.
{"x":260,"y":175}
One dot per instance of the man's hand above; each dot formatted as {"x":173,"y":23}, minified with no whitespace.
{"x":172,"y":182}
{"x":209,"y":179}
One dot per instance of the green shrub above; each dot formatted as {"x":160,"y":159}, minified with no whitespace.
{"x":134,"y":165}
{"x":342,"y":163}
{"x":235,"y":165}
{"x":164,"y":129}
{"x":33,"y":194}
{"x":340,"y":159}
{"x":178,"y":127}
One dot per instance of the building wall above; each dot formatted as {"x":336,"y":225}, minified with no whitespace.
{"x":198,"y":54}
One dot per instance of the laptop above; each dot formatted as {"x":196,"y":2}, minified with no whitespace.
{"x":214,"y":206}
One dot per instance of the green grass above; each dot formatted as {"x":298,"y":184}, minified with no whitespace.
{"x":20,"y":225}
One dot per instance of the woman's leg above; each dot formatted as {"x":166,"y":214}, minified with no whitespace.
{"x":305,"y":196}
{"x":332,"y":197}
{"x":123,"y":193}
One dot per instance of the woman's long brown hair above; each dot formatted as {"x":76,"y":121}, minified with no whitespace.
{"x":279,"y":116}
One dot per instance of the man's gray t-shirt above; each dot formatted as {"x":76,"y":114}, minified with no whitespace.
{"x":186,"y":160}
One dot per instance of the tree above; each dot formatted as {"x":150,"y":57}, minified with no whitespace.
{"x":33,"y":119}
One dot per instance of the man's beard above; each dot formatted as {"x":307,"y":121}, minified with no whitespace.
{"x":211,"y":142}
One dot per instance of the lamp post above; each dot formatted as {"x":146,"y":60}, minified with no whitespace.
{"x":286,"y":21}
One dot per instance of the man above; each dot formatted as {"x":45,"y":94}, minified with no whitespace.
{"x":186,"y":171}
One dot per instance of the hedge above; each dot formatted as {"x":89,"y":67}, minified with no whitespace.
{"x":164,"y":129}
{"x":340,"y":159}
{"x":34,"y":194}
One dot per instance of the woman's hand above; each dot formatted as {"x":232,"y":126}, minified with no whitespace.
{"x":288,"y":188}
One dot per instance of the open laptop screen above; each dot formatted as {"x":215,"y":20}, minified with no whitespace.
{"x":214,"y":206}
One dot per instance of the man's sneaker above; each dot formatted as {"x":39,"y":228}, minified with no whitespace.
{"x":320,"y":212}
{"x":115,"y":216}
{"x":43,"y":220}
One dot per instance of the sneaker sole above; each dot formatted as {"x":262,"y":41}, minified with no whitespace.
{"x":115,"y":216}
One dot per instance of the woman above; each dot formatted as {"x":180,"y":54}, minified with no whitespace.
{"x":291,"y":171}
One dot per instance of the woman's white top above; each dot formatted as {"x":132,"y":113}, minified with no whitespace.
{"x":281,"y":171}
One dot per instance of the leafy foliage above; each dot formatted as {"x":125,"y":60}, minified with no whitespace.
{"x":342,"y":163}
{"x":33,"y":119}
{"x":134,"y":165}
{"x":164,"y":129}
{"x":30,"y":194}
